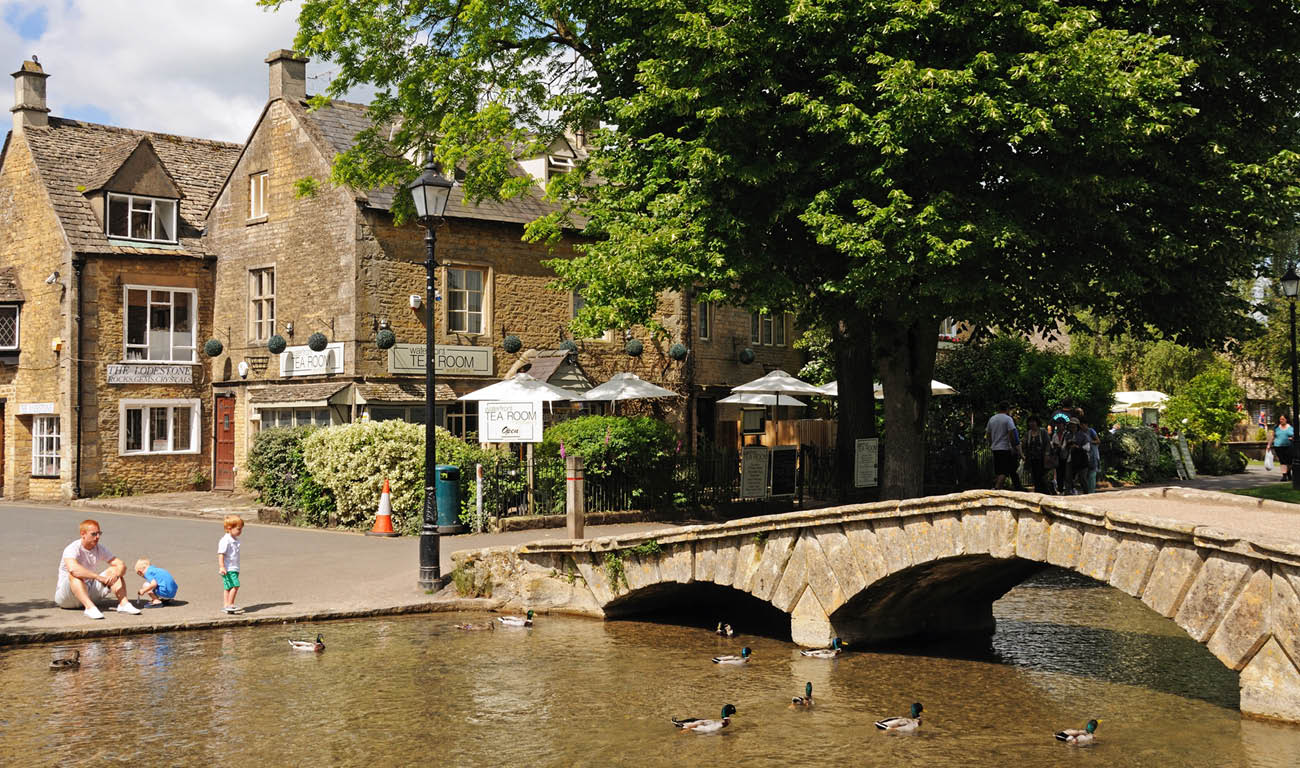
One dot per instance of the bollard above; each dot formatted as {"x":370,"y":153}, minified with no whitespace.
{"x":575,"y":509}
{"x":478,"y":498}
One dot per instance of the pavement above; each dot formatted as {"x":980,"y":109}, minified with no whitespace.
{"x":302,"y":574}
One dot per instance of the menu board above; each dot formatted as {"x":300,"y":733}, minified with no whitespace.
{"x":785,"y":474}
{"x":866,"y":457}
{"x":753,"y":472}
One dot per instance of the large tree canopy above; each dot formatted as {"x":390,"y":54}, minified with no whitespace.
{"x":876,"y":166}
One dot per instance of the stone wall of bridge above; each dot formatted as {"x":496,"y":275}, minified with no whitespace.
{"x":891,"y":570}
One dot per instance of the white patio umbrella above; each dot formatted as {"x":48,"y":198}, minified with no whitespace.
{"x":937,"y":388}
{"x":627,"y":386}
{"x":522,"y":387}
{"x":1141,"y":399}
{"x":751,"y":398}
{"x":777,"y":382}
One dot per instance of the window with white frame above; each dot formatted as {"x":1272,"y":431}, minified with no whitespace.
{"x":158,"y":426}
{"x":465,"y":300}
{"x":261,"y":303}
{"x":160,"y":324}
{"x":294,"y":417}
{"x":45,"y":446}
{"x":778,"y":332}
{"x":767,"y":330}
{"x":257,"y":195}
{"x":706,"y":319}
{"x":8,"y":327}
{"x":141,"y":218}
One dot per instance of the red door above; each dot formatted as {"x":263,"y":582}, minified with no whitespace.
{"x":223,"y":471}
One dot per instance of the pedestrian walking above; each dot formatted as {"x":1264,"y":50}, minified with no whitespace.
{"x":1037,"y":450}
{"x":1283,"y":436}
{"x":1004,"y":441}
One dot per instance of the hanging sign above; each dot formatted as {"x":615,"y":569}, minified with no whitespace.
{"x":303,"y":361}
{"x":449,"y":360}
{"x":509,"y":422}
{"x":753,"y":472}
{"x":866,"y":457}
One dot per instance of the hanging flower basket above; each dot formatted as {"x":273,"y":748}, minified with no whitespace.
{"x":512,"y":344}
{"x":569,"y":345}
{"x":746,"y":356}
{"x":678,"y":351}
{"x":634,"y":347}
{"x":385,"y":339}
{"x":276,"y":344}
{"x":212,"y":347}
{"x":317,"y":342}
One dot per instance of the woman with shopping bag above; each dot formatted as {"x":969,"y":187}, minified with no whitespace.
{"x":1283,"y":434}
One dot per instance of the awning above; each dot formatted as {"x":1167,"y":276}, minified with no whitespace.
{"x":402,"y":392}
{"x":297,"y":395}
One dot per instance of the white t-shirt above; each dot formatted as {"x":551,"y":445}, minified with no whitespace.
{"x":229,"y":546}
{"x":999,"y":431}
{"x":88,"y":558}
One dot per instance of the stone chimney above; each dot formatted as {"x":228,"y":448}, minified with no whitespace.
{"x":29,"y":97}
{"x":288,"y":75}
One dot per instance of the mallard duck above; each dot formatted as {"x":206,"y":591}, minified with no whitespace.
{"x":308,"y":645}
{"x":743,"y":658}
{"x":517,"y":621}
{"x":699,"y":725}
{"x":902,"y":724}
{"x":806,"y":700}
{"x":1079,"y":737}
{"x":66,"y":662}
{"x":834,"y":650}
{"x":725,"y":630}
{"x":486,"y":626}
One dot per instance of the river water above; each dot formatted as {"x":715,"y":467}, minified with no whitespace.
{"x":578,"y":692}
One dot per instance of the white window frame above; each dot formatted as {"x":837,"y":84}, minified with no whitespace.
{"x":149,"y":302}
{"x":763,"y":329}
{"x":47,"y":443}
{"x":779,"y":329}
{"x":267,"y":324}
{"x":705,"y":326}
{"x":297,"y":414}
{"x":257,"y":195}
{"x":17,"y":310}
{"x":467,"y":313}
{"x":131,"y":212}
{"x":146,"y":408}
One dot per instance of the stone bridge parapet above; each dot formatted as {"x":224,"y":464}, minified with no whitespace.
{"x":890,"y":570}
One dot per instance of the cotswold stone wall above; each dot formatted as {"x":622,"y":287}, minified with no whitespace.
{"x":931,"y":566}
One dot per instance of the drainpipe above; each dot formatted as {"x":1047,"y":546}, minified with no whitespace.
{"x":690,"y":339}
{"x":78,"y":264}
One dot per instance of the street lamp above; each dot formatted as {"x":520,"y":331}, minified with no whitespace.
{"x":1291,"y":287}
{"x":430,"y":193}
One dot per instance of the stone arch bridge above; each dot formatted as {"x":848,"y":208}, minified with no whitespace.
{"x":1225,"y":569}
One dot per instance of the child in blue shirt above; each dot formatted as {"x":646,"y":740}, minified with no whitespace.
{"x":159,"y":586}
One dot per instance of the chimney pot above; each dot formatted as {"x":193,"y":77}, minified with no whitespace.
{"x":288,"y":75}
{"x":29,"y":97}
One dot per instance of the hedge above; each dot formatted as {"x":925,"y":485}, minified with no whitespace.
{"x":638,"y":454}
{"x":278,"y":474}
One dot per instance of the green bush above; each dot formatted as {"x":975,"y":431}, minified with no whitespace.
{"x":453,"y":451}
{"x":1131,"y":454}
{"x":639,"y":453}
{"x":1212,"y":458}
{"x":352,"y":460}
{"x":279,"y":476}
{"x":1207,"y":405}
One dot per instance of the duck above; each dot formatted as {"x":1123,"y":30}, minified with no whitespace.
{"x":806,"y":700}
{"x":1079,"y":737}
{"x":66,"y":662}
{"x":699,"y":725}
{"x":725,"y":630}
{"x":902,"y":724}
{"x":307,"y":645}
{"x":743,"y":658}
{"x":517,"y":621}
{"x":486,"y":626}
{"x":835,"y":649}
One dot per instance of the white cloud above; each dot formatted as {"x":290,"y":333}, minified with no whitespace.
{"x":194,"y":68}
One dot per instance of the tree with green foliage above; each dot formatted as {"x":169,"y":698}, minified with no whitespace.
{"x":875,"y":166}
{"x":1208,"y":405}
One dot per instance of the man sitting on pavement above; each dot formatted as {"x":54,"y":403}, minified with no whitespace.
{"x":79,"y":582}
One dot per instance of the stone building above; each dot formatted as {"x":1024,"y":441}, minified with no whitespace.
{"x":105,"y":295}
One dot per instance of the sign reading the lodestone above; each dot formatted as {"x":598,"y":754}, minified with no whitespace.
{"x":303,"y":361}
{"x":509,"y":422}
{"x":449,"y":360}
{"x":140,"y":373}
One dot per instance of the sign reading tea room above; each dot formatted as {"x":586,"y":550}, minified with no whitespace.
{"x":449,"y":360}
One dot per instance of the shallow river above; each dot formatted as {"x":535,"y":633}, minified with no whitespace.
{"x":578,"y":692}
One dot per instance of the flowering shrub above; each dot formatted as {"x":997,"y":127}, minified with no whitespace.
{"x":277,"y":473}
{"x":352,"y":460}
{"x":637,"y":455}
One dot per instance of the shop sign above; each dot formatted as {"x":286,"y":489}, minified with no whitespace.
{"x":303,"y":361}
{"x":449,"y":360}
{"x":509,"y":422}
{"x":136,"y":373}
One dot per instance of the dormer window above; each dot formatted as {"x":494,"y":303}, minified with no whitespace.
{"x":559,"y":164}
{"x":133,"y":217}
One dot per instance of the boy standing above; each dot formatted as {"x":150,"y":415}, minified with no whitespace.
{"x":159,"y":586}
{"x":228,"y":562}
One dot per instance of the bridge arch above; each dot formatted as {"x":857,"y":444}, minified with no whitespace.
{"x":888,"y":570}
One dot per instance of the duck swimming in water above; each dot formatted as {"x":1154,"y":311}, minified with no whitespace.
{"x":806,"y":700}
{"x":743,"y":658}
{"x":699,"y":725}
{"x":834,"y":650}
{"x":725,"y":630}
{"x":902,"y":724}
{"x":517,"y":621}
{"x":66,"y":662}
{"x":307,"y":645}
{"x":1080,"y":738}
{"x":486,"y":626}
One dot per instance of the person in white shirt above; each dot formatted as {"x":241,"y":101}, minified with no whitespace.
{"x":228,"y":562}
{"x":81,"y":584}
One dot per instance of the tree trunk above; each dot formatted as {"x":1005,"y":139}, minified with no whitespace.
{"x":851,"y":342}
{"x":906,"y":354}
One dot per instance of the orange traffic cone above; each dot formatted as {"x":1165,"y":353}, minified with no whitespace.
{"x":384,"y":517}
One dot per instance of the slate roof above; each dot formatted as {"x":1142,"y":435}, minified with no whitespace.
{"x":10,"y":290}
{"x":401,"y":392}
{"x":297,"y":393}
{"x":337,"y":126}
{"x":73,"y":156}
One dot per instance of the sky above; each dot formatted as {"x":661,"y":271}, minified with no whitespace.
{"x":189,"y":67}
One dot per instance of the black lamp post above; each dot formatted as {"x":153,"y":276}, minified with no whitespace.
{"x":430,"y":192}
{"x":1291,"y":287}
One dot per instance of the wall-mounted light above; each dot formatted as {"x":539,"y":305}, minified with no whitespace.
{"x":288,"y":328}
{"x":243,"y":369}
{"x":53,"y":278}
{"x":416,"y":301}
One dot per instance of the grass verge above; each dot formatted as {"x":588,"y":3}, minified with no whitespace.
{"x":1272,"y":492}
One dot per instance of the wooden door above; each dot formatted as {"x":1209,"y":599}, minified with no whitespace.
{"x":223,"y":470}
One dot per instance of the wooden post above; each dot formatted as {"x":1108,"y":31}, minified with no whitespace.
{"x":575,"y":503}
{"x":531,"y":509}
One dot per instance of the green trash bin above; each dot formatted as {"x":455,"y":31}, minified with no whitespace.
{"x":447,"y":490}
